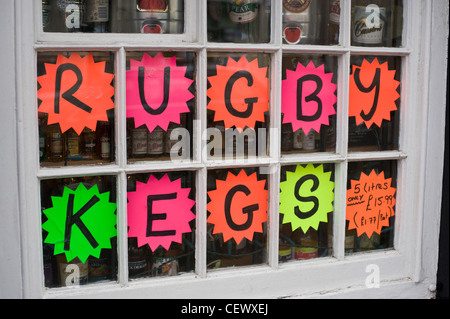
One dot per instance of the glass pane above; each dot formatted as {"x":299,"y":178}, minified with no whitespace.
{"x":238,"y":21}
{"x":160,"y":105}
{"x":308,"y":103}
{"x":238,"y":104}
{"x":374,"y":103}
{"x":237,"y":217}
{"x":79,"y":230}
{"x":307,"y":21}
{"x":118,"y":16}
{"x":161,"y":224}
{"x":377,"y":23}
{"x":371,"y":191}
{"x":306,"y":207}
{"x":76,"y":108}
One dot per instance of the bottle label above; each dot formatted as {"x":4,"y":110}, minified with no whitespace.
{"x":368,"y":24}
{"x":105,"y":148}
{"x":296,"y":6}
{"x":56,"y":148}
{"x":335,"y":11}
{"x":306,"y":253}
{"x":137,"y":265}
{"x":97,"y":11}
{"x":156,"y":142}
{"x":73,"y":146}
{"x":139,"y":139}
{"x":242,"y":11}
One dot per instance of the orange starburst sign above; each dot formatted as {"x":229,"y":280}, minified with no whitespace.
{"x":238,"y":206}
{"x":76,"y":92}
{"x":370,"y":203}
{"x":239,"y":93}
{"x":373,"y":92}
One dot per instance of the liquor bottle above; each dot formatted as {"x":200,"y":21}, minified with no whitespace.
{"x":139,"y":259}
{"x":168,"y":142}
{"x":105,"y":143}
{"x":139,"y":141}
{"x":155,"y":142}
{"x":96,"y":16}
{"x":298,"y":138}
{"x":42,"y":141}
{"x":334,"y":22}
{"x":371,"y":23}
{"x":245,"y":15}
{"x":350,"y":241}
{"x":55,"y":143}
{"x":100,"y":268}
{"x":45,"y":14}
{"x":309,"y":140}
{"x":89,"y":144}
{"x":73,"y":145}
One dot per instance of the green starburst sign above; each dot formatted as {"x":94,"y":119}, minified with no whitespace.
{"x":306,"y":197}
{"x":81,"y":223}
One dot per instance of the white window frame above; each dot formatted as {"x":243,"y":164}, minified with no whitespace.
{"x":404,"y":271}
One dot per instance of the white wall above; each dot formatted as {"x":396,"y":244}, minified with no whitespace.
{"x":10,"y":252}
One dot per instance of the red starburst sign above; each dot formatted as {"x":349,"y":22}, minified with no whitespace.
{"x":239,"y":93}
{"x":76,"y":92}
{"x":238,"y":206}
{"x":370,"y":203}
{"x":373,"y":92}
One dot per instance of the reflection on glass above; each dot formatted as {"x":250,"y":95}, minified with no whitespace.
{"x":246,"y":21}
{"x":248,"y":250}
{"x":238,"y":104}
{"x":90,"y":146}
{"x":160,"y":105}
{"x":179,"y":258}
{"x":58,"y":270}
{"x":384,"y":239}
{"x":324,"y":139}
{"x":118,"y":16}
{"x":377,"y":23}
{"x":366,"y":134}
{"x":295,"y":244}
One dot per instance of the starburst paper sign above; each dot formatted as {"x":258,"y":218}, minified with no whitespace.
{"x":370,"y":203}
{"x":306,"y":197}
{"x":239,"y":93}
{"x":373,"y":93}
{"x":157,"y":91}
{"x":238,"y":206}
{"x":76,"y":92}
{"x":308,"y":97}
{"x":159,"y":212}
{"x":81,"y":222}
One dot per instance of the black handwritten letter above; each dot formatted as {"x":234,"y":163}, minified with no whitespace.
{"x":312,"y":97}
{"x":300,"y":214}
{"x":72,"y":219}
{"x":250,"y":101}
{"x":141,"y":80}
{"x":151,"y":217}
{"x":68,"y":95}
{"x":375,"y":85}
{"x":246,"y":210}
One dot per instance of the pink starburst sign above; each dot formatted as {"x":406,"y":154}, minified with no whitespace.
{"x":308,"y":97}
{"x":159,"y":212}
{"x":157,"y":91}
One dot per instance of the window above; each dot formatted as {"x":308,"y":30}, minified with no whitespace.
{"x":221,"y":142}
